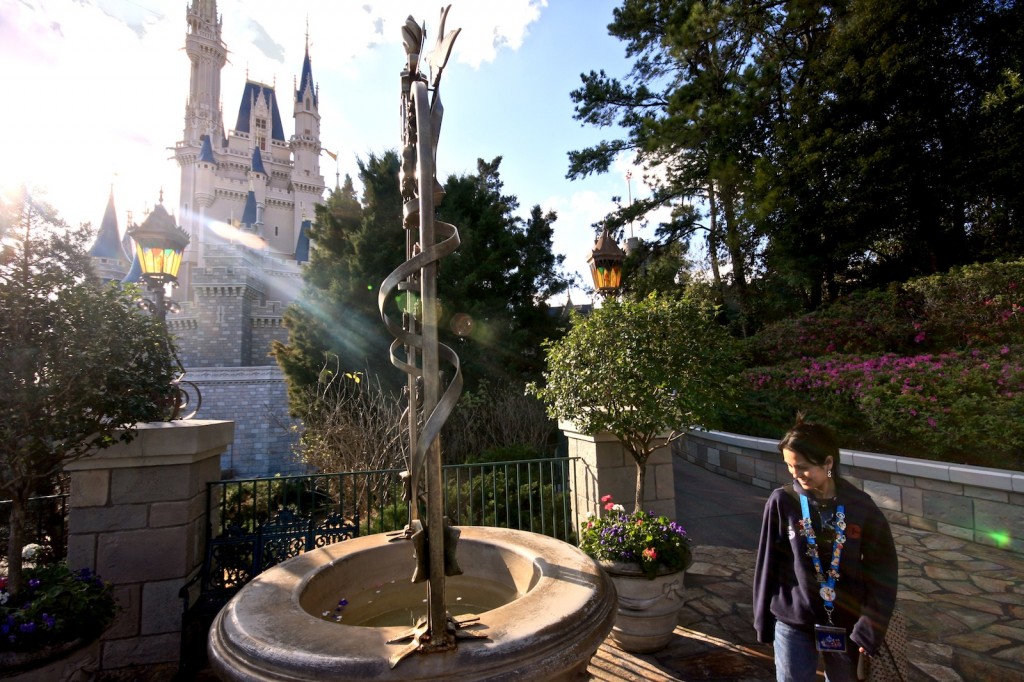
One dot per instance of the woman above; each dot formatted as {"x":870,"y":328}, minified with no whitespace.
{"x":826,"y":572}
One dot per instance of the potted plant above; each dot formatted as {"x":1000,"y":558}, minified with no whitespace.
{"x":639,"y":369}
{"x":53,"y":620}
{"x":646,"y":557}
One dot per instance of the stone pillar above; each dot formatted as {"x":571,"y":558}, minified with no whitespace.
{"x":137,"y":518}
{"x":605,"y":467}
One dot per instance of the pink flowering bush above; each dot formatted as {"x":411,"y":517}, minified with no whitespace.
{"x":959,"y":406}
{"x":929,"y":368}
{"x":652,"y":543}
{"x":973,"y":306}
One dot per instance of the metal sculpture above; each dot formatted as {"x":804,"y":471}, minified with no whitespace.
{"x":416,"y":348}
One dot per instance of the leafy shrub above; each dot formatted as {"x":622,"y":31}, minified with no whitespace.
{"x":972,"y":306}
{"x":929,"y":368}
{"x":58,"y":605}
{"x":960,"y":406}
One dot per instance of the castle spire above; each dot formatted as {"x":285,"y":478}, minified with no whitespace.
{"x":108,"y":239}
{"x":306,"y":79}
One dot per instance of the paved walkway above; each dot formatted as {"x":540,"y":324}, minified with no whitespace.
{"x":964,"y":602}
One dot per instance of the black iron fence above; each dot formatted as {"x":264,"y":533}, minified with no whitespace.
{"x":257,"y":523}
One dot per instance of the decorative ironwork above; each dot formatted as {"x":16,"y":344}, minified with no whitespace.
{"x":416,"y":349}
{"x":236,"y":557}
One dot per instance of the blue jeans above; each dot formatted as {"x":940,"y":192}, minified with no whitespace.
{"x":796,"y":658}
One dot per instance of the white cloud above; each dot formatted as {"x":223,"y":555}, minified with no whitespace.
{"x":95,"y":90}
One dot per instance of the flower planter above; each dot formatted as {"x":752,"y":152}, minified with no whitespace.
{"x":75,"y":660}
{"x":648,"y":609}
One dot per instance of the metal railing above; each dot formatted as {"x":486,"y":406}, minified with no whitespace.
{"x":259,"y":522}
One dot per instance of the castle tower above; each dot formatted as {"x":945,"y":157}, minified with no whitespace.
{"x":305,"y":144}
{"x":109,"y":260}
{"x":248,"y":195}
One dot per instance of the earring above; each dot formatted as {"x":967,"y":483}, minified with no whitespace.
{"x":830,"y":473}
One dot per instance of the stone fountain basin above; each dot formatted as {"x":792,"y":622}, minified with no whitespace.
{"x":272,"y":629}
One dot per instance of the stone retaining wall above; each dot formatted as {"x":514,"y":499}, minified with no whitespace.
{"x":256,"y":400}
{"x":138,"y":519}
{"x":972,"y":503}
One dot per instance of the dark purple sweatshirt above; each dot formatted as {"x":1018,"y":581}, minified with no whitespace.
{"x":785,"y":588}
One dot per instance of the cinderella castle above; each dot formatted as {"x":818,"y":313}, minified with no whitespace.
{"x":248,"y":196}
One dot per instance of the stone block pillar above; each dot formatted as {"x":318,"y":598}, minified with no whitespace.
{"x":605,"y":467}
{"x":138,"y":520}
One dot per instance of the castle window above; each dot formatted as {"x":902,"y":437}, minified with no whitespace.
{"x":307,"y":104}
{"x":275,"y":230}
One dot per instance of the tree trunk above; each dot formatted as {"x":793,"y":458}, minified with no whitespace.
{"x":713,"y":242}
{"x":14,"y":544}
{"x":733,"y":242}
{"x":641,"y":482}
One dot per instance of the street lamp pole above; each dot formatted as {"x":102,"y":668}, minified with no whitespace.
{"x":159,"y":244}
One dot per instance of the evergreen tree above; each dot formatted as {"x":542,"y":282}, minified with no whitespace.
{"x":318,"y":335}
{"x":829,"y":146}
{"x":492,"y":289}
{"x":498,"y":279}
{"x":686,"y":112}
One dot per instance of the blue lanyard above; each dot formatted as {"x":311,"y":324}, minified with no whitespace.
{"x":826,"y":580}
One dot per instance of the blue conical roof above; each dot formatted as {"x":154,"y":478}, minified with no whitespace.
{"x":108,"y":241}
{"x":134,"y":272}
{"x":257,"y":161}
{"x":306,"y":80}
{"x":249,"y":214}
{"x":302,"y":247}
{"x":206,"y":151}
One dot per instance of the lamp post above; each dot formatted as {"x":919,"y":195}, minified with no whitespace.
{"x":159,"y":243}
{"x":606,"y":264}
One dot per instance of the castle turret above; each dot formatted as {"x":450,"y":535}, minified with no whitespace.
{"x":109,"y":260}
{"x":207,"y":54}
{"x":204,"y":126}
{"x":307,"y":182}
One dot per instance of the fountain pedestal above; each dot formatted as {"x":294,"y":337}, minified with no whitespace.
{"x":274,"y":628}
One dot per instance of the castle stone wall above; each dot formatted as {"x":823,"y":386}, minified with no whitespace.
{"x":256,"y":399}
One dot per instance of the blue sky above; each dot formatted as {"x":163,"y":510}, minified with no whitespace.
{"x":95,"y":93}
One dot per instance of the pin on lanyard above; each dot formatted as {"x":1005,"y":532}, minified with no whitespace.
{"x":827,"y":581}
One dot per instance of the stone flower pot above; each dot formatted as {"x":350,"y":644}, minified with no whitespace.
{"x":648,"y":609}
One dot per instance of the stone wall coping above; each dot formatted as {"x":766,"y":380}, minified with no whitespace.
{"x":982,"y":477}
{"x":163,"y":444}
{"x":569,"y":428}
